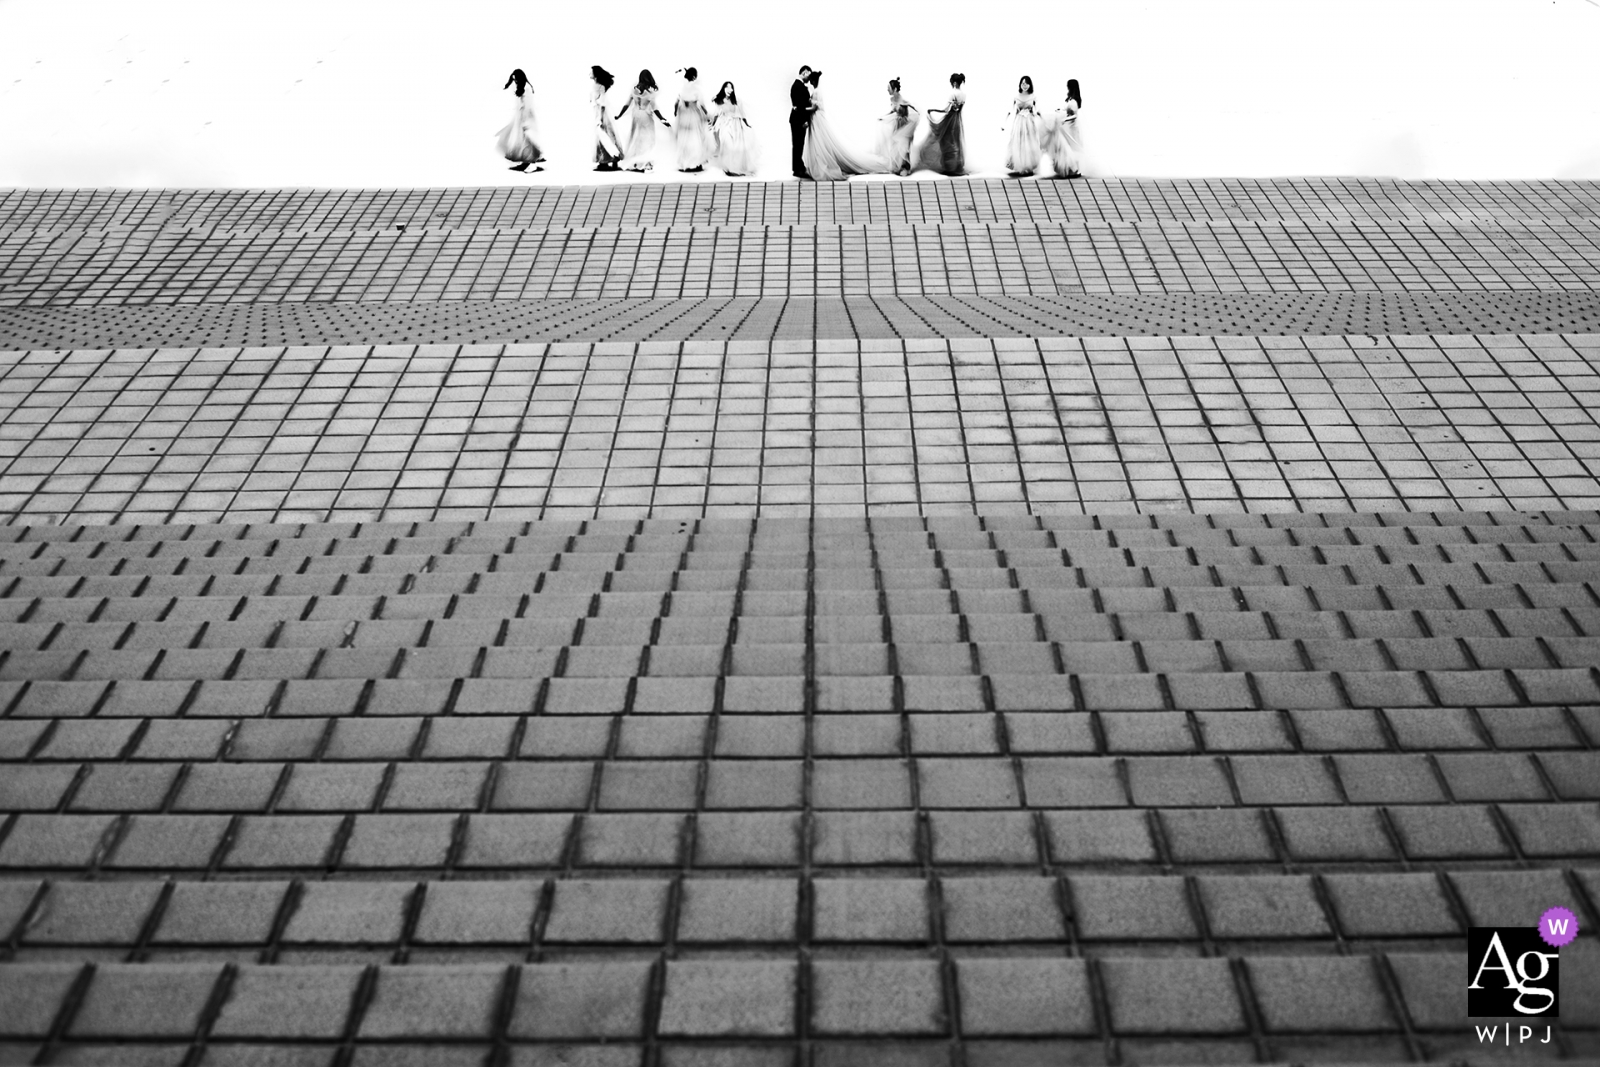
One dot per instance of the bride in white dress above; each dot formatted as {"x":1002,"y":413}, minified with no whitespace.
{"x":826,"y":159}
{"x":693,"y":135}
{"x":1023,"y":148}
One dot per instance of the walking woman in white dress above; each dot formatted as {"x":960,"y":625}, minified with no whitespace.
{"x":1023,"y":149}
{"x":735,"y":144}
{"x":642,"y":130}
{"x":945,"y":150}
{"x":897,"y":128}
{"x":607,"y":152}
{"x":693,"y":135}
{"x":1063,"y":142}
{"x":519,"y":141}
{"x":826,"y":159}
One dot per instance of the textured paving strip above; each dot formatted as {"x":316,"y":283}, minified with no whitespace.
{"x":173,"y":325}
{"x":923,"y":623}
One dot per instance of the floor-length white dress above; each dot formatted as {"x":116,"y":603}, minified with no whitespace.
{"x":826,"y":159}
{"x":1024,"y":147}
{"x":518,"y":141}
{"x":1063,"y":143}
{"x":641,"y":129}
{"x":689,"y":132}
{"x":735,"y":146}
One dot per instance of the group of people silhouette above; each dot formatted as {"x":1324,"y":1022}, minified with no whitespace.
{"x":720,"y":135}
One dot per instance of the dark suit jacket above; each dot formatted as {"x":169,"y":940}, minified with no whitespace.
{"x":799,"y":99}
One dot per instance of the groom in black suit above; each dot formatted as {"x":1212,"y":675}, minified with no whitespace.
{"x":799,"y":121}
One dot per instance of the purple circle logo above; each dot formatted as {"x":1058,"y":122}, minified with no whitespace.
{"x":1558,"y":927}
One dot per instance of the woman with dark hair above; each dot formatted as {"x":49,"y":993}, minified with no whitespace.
{"x":693,"y":135}
{"x":945,"y":150}
{"x":607,"y":152}
{"x":519,"y":141}
{"x":826,"y":159}
{"x":1023,"y":148}
{"x":642,"y":131}
{"x":897,"y":128}
{"x":736,"y":151}
{"x":1063,"y":143}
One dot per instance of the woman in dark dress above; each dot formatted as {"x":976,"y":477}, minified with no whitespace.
{"x":945,"y":151}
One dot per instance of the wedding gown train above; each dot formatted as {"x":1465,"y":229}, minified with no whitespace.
{"x":735,"y":147}
{"x":945,"y":150}
{"x":642,"y":130}
{"x":826,"y":159}
{"x":896,"y":130}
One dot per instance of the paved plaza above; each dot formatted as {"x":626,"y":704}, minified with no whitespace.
{"x":960,"y":623}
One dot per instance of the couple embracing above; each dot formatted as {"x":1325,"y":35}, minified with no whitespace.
{"x":816,"y":153}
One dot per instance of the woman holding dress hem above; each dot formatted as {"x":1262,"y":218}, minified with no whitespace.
{"x":899,"y":127}
{"x":945,"y":151}
{"x":642,"y":129}
{"x":607,"y":149}
{"x":1063,"y":142}
{"x":519,"y":141}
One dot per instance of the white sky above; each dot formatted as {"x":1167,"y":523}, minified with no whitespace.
{"x":348,"y":93}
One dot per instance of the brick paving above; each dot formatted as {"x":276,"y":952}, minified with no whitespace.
{"x":1149,"y":677}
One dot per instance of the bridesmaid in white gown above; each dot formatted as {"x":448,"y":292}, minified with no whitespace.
{"x":519,"y":141}
{"x":693,"y":135}
{"x":607,"y":150}
{"x":642,"y":129}
{"x":897,"y":129}
{"x":1063,"y":143}
{"x":735,"y":149}
{"x":945,"y":150}
{"x":826,"y":159}
{"x":1023,"y":149}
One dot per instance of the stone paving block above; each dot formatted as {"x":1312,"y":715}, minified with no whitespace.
{"x":145,"y":1000}
{"x":877,"y":997}
{"x":125,"y":787}
{"x":542,"y":787}
{"x":1130,"y":908}
{"x":727,"y":998}
{"x":429,"y":1002}
{"x":1382,"y":904}
{"x":641,"y":840}
{"x":1172,"y":996}
{"x":1576,"y":775}
{"x":971,"y":782}
{"x":16,"y":898}
{"x":1050,"y":732}
{"x":457,"y":913}
{"x":1331,"y":730}
{"x":1463,"y":831}
{"x":1262,"y":907}
{"x":1555,"y":829}
{"x":39,"y":787}
{"x":851,"y":910}
{"x":1325,"y":833}
{"x":1086,"y":782}
{"x":625,"y":911}
{"x":1024,"y":997}
{"x":738,"y":910}
{"x":581,"y":1001}
{"x":748,"y":839}
{"x":349,"y":913}
{"x":1491,"y":776}
{"x":32,"y":995}
{"x":1217,"y":836}
{"x":1434,"y":728}
{"x":857,"y":735}
{"x":1319,"y":994}
{"x":1002,"y":909}
{"x":169,"y":842}
{"x":641,"y":785}
{"x":860,"y":783}
{"x":239,"y":913}
{"x":435,"y":787}
{"x":1099,"y":837}
{"x":280,"y":1002}
{"x":1388,"y":778}
{"x":415,"y":841}
{"x":273,"y":842}
{"x":228,"y":787}
{"x":1435,"y":998}
{"x":864,"y":838}
{"x":1283,"y":780}
{"x":753,"y":784}
{"x":515,"y":841}
{"x":1172,"y":781}
{"x":983,"y":837}
{"x":92,"y":913}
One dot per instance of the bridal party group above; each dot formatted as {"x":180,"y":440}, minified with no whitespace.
{"x":1040,"y":138}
